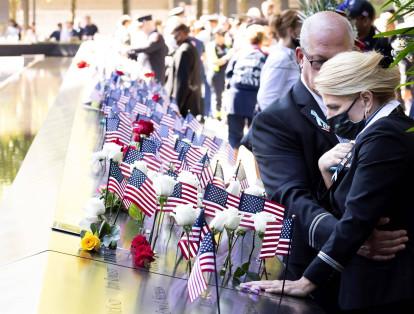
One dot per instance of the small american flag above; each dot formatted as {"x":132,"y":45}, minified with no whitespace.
{"x":191,"y":122}
{"x":189,"y":247}
{"x":194,"y":154}
{"x":203,"y":171}
{"x":169,"y":155}
{"x":139,"y":109}
{"x":174,"y":199}
{"x":115,"y":130}
{"x":183,"y":194}
{"x":116,"y":182}
{"x":271,"y":239}
{"x":130,"y":157}
{"x":140,"y":191}
{"x":168,"y":121}
{"x":149,"y":149}
{"x":240,"y":175}
{"x":233,"y":200}
{"x":204,"y":262}
{"x":285,"y":237}
{"x":249,"y":205}
{"x":215,"y":199}
{"x":211,"y":145}
{"x":274,"y":208}
{"x":218,"y":177}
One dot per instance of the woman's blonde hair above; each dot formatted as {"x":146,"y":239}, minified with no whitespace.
{"x":352,"y":72}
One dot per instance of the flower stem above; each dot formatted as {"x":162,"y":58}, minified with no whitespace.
{"x":188,"y":248}
{"x":219,"y":241}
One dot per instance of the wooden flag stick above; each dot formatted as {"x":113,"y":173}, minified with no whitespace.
{"x":237,"y":170}
{"x":287,"y":262}
{"x":215,"y":274}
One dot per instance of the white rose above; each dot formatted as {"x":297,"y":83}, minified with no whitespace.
{"x":232,"y":218}
{"x":164,"y":185}
{"x":218,"y":221}
{"x":140,"y":165}
{"x":255,"y":190}
{"x":94,"y":207}
{"x":185,"y":215}
{"x":234,"y":187}
{"x":98,"y":156}
{"x":200,"y":197}
{"x":261,"y":219}
{"x":189,"y":178}
{"x":152,"y":174}
{"x":109,"y":149}
{"x":115,"y":156}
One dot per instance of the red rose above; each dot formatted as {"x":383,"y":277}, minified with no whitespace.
{"x":149,"y":74}
{"x":119,"y":72}
{"x":143,"y":256}
{"x":139,"y":240}
{"x":82,"y":64}
{"x":156,"y":97}
{"x":143,"y":127}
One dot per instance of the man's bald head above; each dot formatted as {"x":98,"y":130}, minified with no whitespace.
{"x":326,"y":28}
{"x":323,"y":35}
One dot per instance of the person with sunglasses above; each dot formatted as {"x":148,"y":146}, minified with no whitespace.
{"x":290,"y":136}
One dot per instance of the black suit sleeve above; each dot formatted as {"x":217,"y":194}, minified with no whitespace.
{"x":185,"y":66}
{"x":371,"y":194}
{"x":154,"y":44}
{"x":281,"y":158}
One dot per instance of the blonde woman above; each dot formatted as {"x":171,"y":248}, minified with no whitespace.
{"x":358,"y":90}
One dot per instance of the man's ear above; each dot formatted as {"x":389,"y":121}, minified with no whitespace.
{"x":299,"y":56}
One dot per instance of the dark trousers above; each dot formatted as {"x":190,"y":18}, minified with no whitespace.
{"x":236,"y":127}
{"x":218,"y":81}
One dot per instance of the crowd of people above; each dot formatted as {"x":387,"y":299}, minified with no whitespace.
{"x":65,"y":32}
{"x":327,"y":127}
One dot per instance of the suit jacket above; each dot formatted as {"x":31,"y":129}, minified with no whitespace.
{"x":287,"y":143}
{"x":155,"y":52}
{"x":376,"y":185}
{"x":183,"y":79}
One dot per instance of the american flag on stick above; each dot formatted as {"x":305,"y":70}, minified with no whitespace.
{"x":271,"y":239}
{"x":140,"y":191}
{"x":218,"y":176}
{"x":283,"y":247}
{"x":249,"y":205}
{"x":189,"y":247}
{"x":116,"y":181}
{"x":115,"y":130}
{"x":205,"y":262}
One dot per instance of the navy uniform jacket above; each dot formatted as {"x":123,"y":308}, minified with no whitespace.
{"x":287,"y":143}
{"x":155,"y":52}
{"x":377,"y":184}
{"x":288,"y":138}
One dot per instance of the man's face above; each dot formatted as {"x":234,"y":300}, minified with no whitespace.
{"x":179,"y":37}
{"x":363,"y":25}
{"x":322,"y":46}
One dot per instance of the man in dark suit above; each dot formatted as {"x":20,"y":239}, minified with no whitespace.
{"x":291,"y":135}
{"x":155,"y":49}
{"x":183,"y":76}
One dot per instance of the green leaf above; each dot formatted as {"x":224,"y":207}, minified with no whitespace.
{"x":82,"y":233}
{"x":403,"y":53}
{"x":400,"y":31}
{"x":245,"y":267}
{"x":94,"y":227}
{"x":222,"y":272}
{"x":104,"y":229}
{"x":134,"y":212}
{"x":238,"y":273}
{"x":251,"y":276}
{"x":410,"y":130}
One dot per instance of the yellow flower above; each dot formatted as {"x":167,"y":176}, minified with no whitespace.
{"x":90,"y":242}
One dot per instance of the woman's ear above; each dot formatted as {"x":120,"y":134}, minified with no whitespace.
{"x":368,"y":101}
